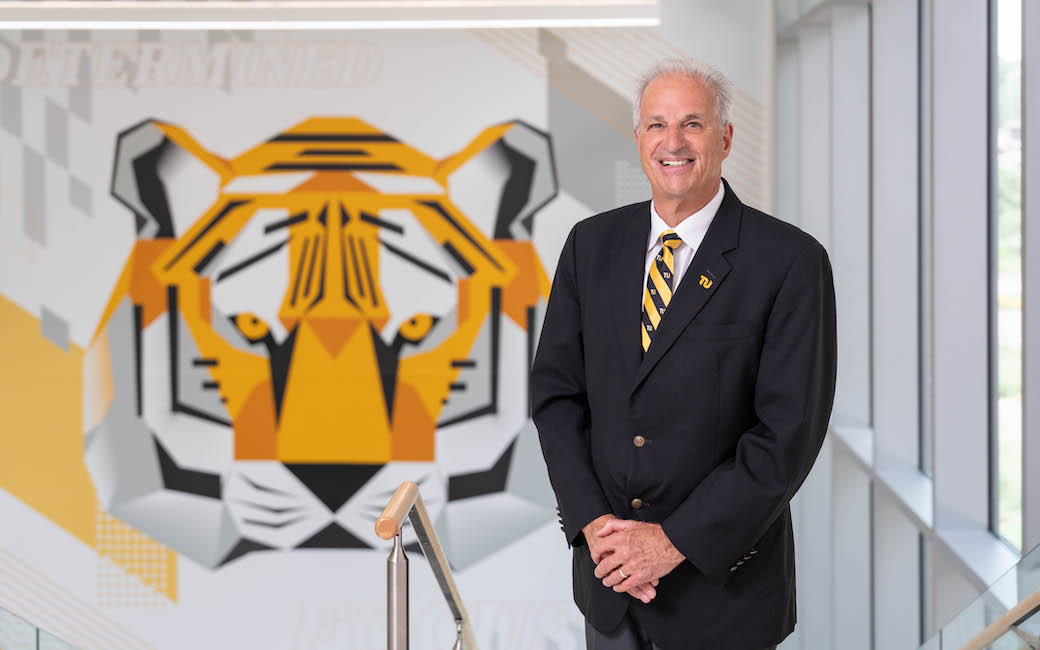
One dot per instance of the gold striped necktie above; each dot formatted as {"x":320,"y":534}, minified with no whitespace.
{"x":659,"y":287}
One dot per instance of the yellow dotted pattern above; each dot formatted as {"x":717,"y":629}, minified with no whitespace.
{"x":133,"y":569}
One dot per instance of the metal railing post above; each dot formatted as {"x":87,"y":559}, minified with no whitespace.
{"x":407,"y":505}
{"x":397,"y":597}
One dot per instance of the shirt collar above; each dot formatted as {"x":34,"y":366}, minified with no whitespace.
{"x":690,"y":229}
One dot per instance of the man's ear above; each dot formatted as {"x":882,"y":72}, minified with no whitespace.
{"x":164,"y":177}
{"x":503,"y":178}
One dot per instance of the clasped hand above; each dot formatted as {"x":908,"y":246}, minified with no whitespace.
{"x":642,"y":551}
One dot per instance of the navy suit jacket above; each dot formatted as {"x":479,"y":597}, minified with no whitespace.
{"x":732,"y":399}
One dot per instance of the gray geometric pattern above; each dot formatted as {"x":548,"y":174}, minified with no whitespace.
{"x":473,"y":390}
{"x":128,"y":472}
{"x":11,"y":109}
{"x":192,"y":392}
{"x":54,"y":328}
{"x":81,"y":95}
{"x":33,"y":190}
{"x":57,"y":134}
{"x":51,"y":178}
{"x":526,"y":142}
{"x":120,"y":454}
{"x":37,"y":130}
{"x":214,"y":36}
{"x":80,"y":195}
{"x":528,"y":477}
{"x":132,"y":144}
{"x":587,"y":150}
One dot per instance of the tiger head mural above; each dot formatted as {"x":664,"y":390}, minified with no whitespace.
{"x":301,"y":327}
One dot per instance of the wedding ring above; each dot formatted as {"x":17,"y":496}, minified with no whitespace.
{"x":622,"y":574}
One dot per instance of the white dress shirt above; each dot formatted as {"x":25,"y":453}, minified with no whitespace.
{"x":691,"y":230}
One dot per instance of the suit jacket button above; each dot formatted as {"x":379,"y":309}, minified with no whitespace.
{"x":732,"y":569}
{"x":639,"y":441}
{"x":637,"y":503}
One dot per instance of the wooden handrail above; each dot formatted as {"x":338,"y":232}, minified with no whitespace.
{"x":407,"y":502}
{"x":397,"y":510}
{"x":1003,"y":625}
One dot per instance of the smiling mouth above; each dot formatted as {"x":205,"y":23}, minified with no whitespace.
{"x":675,"y":163}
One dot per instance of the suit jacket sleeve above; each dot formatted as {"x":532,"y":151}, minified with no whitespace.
{"x":559,"y":406}
{"x":731,"y":509}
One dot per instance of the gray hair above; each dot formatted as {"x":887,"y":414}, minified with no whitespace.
{"x":689,"y":69}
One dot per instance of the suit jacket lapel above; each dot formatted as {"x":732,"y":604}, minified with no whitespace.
{"x":700,"y":282}
{"x":626,"y":277}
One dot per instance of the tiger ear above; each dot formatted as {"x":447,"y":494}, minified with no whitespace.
{"x":164,"y":177}
{"x":503,"y":178}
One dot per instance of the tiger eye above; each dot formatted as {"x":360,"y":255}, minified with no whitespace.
{"x":415,"y":329}
{"x":252,"y":327}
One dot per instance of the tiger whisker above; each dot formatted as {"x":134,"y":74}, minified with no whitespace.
{"x":264,"y":488}
{"x":267,"y":524}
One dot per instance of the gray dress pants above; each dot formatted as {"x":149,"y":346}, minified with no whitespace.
{"x":629,"y":636}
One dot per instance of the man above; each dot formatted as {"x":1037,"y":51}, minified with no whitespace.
{"x":682,"y":389}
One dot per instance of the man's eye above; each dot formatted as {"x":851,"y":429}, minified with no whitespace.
{"x":653,"y":126}
{"x":693,"y":124}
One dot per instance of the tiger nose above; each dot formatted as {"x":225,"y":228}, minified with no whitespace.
{"x":334,"y":484}
{"x":334,"y":330}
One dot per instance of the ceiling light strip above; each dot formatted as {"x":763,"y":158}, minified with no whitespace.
{"x":474,"y":23}
{"x":308,"y":14}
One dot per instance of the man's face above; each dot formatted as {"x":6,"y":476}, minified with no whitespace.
{"x":681,"y":144}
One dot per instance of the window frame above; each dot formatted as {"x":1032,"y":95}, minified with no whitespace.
{"x":993,"y":244}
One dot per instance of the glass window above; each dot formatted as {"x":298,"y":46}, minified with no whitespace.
{"x":926,"y":357}
{"x":1006,"y":306}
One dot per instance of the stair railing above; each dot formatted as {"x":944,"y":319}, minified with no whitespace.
{"x":407,"y":502}
{"x":1009,"y":622}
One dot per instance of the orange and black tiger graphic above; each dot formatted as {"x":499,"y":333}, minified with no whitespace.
{"x":301,"y":327}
